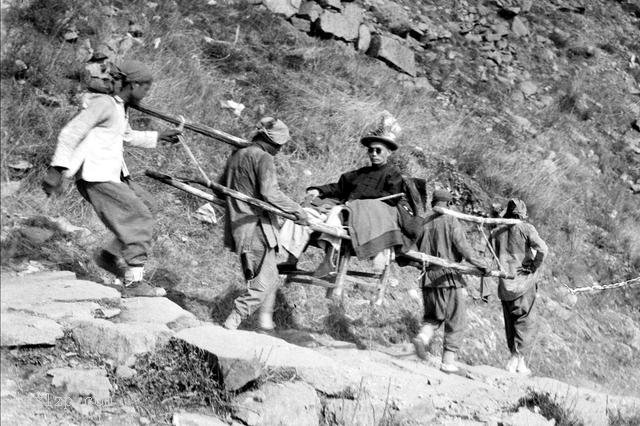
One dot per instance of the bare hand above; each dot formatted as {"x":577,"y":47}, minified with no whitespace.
{"x":313,"y":193}
{"x":302,"y":218}
{"x":170,"y":135}
{"x":52,"y":184}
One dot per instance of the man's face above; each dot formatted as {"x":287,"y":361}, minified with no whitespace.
{"x":139,"y":91}
{"x":378,"y":153}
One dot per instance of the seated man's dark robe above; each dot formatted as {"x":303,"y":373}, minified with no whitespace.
{"x":366,"y":182}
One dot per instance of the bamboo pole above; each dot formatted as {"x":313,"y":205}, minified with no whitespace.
{"x":238,"y":196}
{"x":476,"y":219}
{"x":198,"y":128}
{"x":463,"y":269}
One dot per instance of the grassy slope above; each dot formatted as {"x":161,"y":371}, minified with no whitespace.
{"x":568,"y":172}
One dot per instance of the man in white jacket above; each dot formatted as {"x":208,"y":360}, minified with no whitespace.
{"x":90,"y":147}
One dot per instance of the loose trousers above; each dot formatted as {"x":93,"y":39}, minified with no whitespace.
{"x":261,"y":270}
{"x":123,"y":213}
{"x":446,"y":305}
{"x":518,"y":320}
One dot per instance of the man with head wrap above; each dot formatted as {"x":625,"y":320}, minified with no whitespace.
{"x":252,"y":232}
{"x":520,"y":251}
{"x":443,"y":292}
{"x":90,"y":147}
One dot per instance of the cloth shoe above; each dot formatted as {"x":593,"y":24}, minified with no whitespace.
{"x":448,"y":362}
{"x":142,"y":289}
{"x":265,"y":322}
{"x":522,"y":368}
{"x":512,"y":364}
{"x":233,"y":320}
{"x":327,"y":265}
{"x":133,"y":274}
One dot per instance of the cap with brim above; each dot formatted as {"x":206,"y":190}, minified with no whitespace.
{"x":390,"y":143}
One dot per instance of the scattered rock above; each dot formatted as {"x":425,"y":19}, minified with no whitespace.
{"x":135,"y":30}
{"x":310,"y":10}
{"x":7,"y":189}
{"x":21,"y":165}
{"x":236,"y":107}
{"x":393,"y":16}
{"x":284,"y":403}
{"x":195,"y":419}
{"x":423,"y":83}
{"x":301,"y":24}
{"x":92,"y":382}
{"x":22,"y":329}
{"x":393,"y":52}
{"x":344,"y":25}
{"x":119,"y":342}
{"x":288,"y":8}
{"x":528,"y":88}
{"x":526,"y":417}
{"x":330,"y":4}
{"x":125,"y":372}
{"x":70,"y":35}
{"x":159,"y":310}
{"x":518,"y":27}
{"x":364,"y":38}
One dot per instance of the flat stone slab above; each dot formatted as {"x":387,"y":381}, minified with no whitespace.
{"x":22,"y":329}
{"x":159,"y":310}
{"x":238,"y":347}
{"x":119,"y":342}
{"x":34,"y":289}
{"x":195,"y":419}
{"x":92,"y":382}
{"x":63,"y":311}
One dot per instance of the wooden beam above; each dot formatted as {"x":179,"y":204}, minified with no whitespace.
{"x":198,"y":128}
{"x":169,"y":180}
{"x":463,"y":269}
{"x":476,"y":219}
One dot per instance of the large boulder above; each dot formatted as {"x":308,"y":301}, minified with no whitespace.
{"x":158,"y":310}
{"x":310,"y":10}
{"x":393,"y":16}
{"x":78,"y":382}
{"x":242,"y":355}
{"x":195,"y":419}
{"x":394,"y":53}
{"x":288,"y":8}
{"x":119,"y":342}
{"x":280,"y":404}
{"x":344,"y":25}
{"x":36,"y":289}
{"x":22,"y":329}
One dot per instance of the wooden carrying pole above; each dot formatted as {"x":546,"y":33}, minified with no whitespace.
{"x":238,"y":196}
{"x":477,"y":219}
{"x":463,"y":269}
{"x":198,"y":128}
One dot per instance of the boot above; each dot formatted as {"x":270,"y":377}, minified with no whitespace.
{"x":522,"y":368}
{"x":135,"y":287}
{"x":233,"y":320}
{"x":422,"y":340}
{"x":448,"y":362}
{"x":512,"y":364}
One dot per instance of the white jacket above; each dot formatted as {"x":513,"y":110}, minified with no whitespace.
{"x":91,"y":144}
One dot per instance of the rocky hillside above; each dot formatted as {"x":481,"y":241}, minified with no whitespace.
{"x":538,"y":100}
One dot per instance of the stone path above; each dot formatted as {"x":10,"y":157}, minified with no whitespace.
{"x":334,"y":380}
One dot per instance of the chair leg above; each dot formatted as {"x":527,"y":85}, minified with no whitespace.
{"x":338,"y":291}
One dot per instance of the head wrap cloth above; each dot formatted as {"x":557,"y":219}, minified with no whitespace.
{"x":132,"y":71}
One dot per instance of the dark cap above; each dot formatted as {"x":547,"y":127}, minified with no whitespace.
{"x":442,"y":195}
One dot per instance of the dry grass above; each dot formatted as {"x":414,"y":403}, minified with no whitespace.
{"x":327,"y":94}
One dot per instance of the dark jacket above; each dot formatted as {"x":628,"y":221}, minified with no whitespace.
{"x":442,"y":236}
{"x":251,"y":170}
{"x":366,"y":182}
{"x":518,"y":246}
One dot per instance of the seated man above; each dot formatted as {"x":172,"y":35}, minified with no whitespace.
{"x":374,"y":181}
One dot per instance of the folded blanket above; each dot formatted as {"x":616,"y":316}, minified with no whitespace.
{"x":373,"y":226}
